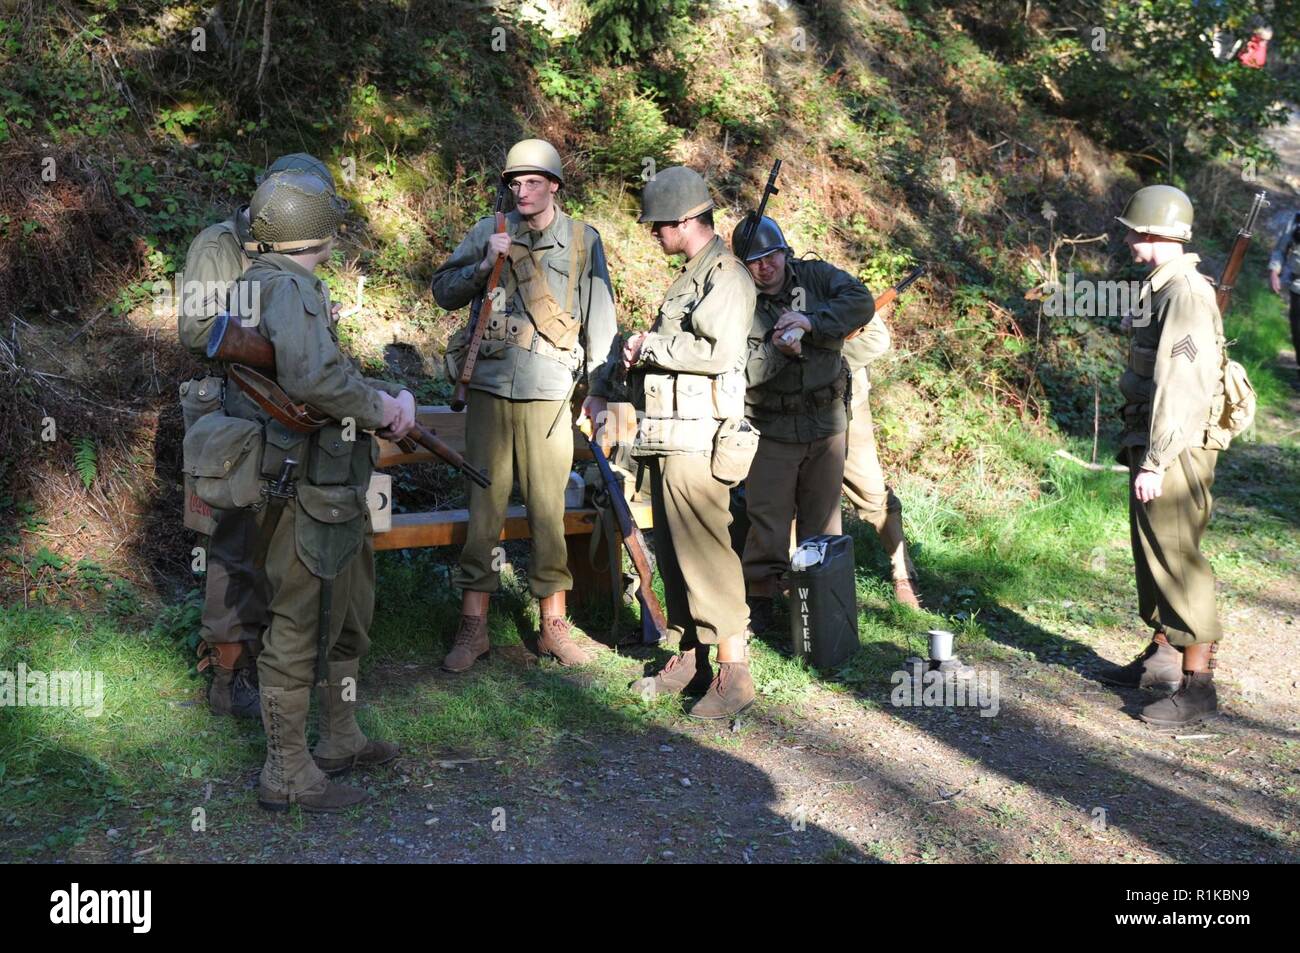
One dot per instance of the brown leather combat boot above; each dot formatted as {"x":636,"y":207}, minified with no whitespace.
{"x":289,"y":775}
{"x":901,"y":568}
{"x":683,"y":673}
{"x":1159,"y":667}
{"x":905,"y":592}
{"x":471,"y":642}
{"x":729,"y":694}
{"x":233,"y":691}
{"x":1196,"y":698}
{"x":557,"y":636}
{"x":342,"y":745}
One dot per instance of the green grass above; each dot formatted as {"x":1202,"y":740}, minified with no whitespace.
{"x":1257,"y":323}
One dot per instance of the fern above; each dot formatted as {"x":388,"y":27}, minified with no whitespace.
{"x":86,"y":460}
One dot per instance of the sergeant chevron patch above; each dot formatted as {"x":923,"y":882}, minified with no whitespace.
{"x":1185,"y":347}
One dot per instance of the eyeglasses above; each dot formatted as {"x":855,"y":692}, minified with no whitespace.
{"x":527,"y":185}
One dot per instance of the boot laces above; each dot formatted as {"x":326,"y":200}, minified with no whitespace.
{"x":466,"y":633}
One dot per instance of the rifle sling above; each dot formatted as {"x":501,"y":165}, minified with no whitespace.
{"x":271,"y":398}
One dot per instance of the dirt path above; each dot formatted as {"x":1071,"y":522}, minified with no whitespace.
{"x":1063,"y":771}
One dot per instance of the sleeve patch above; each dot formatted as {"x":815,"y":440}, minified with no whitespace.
{"x":1185,"y":348}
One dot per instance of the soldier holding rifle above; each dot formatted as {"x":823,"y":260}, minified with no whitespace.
{"x":319,"y":560}
{"x":689,"y":381}
{"x":549,"y":323}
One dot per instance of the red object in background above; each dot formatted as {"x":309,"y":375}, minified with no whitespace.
{"x":1256,"y":52}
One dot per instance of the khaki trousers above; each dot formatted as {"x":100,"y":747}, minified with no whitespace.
{"x":289,"y":646}
{"x":1175,"y":583}
{"x":234,"y":591}
{"x":703,"y":583}
{"x":789,"y":481}
{"x":864,"y":485}
{"x":508,"y":439}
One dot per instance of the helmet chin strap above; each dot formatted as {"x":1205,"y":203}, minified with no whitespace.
{"x":300,"y":247}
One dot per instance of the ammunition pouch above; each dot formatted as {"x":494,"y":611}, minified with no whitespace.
{"x":734,"y":447}
{"x":330,"y":459}
{"x":457,"y":350}
{"x":515,"y":330}
{"x":223,"y":454}
{"x":199,"y":397}
{"x":804,"y":401}
{"x":281,"y":443}
{"x":330,"y":527}
{"x":682,"y":411}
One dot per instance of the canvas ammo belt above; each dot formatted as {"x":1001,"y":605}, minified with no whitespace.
{"x":804,"y":400}
{"x":518,"y":331}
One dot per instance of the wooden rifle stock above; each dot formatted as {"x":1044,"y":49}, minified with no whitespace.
{"x":1223,"y":287}
{"x":888,"y":296}
{"x":232,"y":343}
{"x":479,"y":316}
{"x":654,"y":626}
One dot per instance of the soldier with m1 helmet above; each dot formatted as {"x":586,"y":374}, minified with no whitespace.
{"x":552,"y":326}
{"x":320,"y":565}
{"x":1174,"y":393}
{"x":797,"y":394}
{"x":234,"y":600}
{"x":688,"y":376}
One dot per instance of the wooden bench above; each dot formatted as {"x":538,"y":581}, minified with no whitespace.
{"x":448,"y":527}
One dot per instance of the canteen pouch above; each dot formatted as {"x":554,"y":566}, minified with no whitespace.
{"x":457,"y":349}
{"x":1233,"y":411}
{"x":331,"y":525}
{"x":734,"y":447}
{"x":224,"y":456}
{"x":199,"y":397}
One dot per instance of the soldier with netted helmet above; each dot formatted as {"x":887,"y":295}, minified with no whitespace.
{"x":234,"y":602}
{"x":320,"y":562}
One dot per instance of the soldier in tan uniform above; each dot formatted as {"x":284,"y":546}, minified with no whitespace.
{"x":553,"y":323}
{"x":797,"y":393}
{"x":320,"y":565}
{"x":1173,"y":388}
{"x":234,"y":601}
{"x":864,"y":481}
{"x":688,"y":380}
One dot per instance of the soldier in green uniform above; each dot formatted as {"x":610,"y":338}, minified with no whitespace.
{"x":797,"y":385}
{"x":234,"y":601}
{"x":553,"y":322}
{"x":864,"y":481}
{"x":690,"y":385}
{"x":320,"y":565}
{"x":1173,"y":388}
